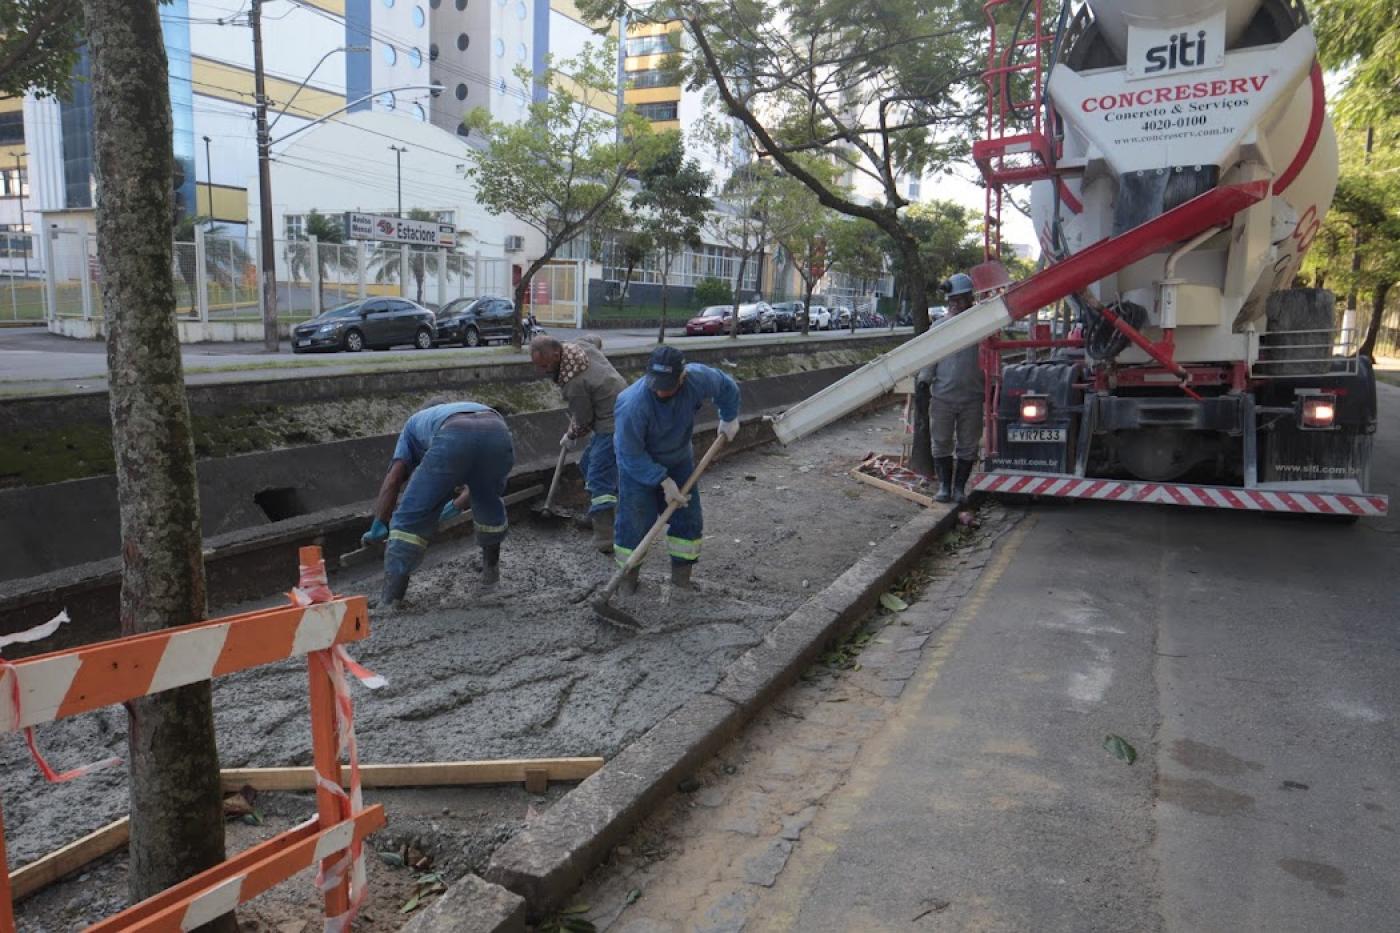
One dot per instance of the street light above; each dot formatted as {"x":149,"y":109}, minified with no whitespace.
{"x":19,"y":187}
{"x":209,"y":179}
{"x":398,"y":174}
{"x":267,"y":248}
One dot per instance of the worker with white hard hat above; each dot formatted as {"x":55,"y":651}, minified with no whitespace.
{"x":956,"y":388}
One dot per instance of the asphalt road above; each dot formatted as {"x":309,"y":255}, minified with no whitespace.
{"x":35,"y":362}
{"x":1254,"y":664}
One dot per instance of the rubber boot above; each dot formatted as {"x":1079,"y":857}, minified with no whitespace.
{"x":395,"y":585}
{"x":603,"y":531}
{"x":943,"y":466}
{"x":680,"y":574}
{"x":490,"y":565}
{"x":630,"y":581}
{"x":964,"y":470}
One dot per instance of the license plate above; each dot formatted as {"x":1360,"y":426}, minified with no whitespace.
{"x":1036,"y":435}
{"x":304,"y":342}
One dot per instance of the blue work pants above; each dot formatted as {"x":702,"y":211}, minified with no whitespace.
{"x":599,"y":467}
{"x":475,"y":452}
{"x":640,"y":505}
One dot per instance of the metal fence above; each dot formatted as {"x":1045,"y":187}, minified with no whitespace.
{"x":216,"y":279}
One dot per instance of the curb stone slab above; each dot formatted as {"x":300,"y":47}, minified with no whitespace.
{"x":546,"y":863}
{"x":471,"y":905}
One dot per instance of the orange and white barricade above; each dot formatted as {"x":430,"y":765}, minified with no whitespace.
{"x":78,"y":680}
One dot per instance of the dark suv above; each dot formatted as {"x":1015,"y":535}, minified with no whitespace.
{"x":476,"y":321}
{"x":371,"y":322}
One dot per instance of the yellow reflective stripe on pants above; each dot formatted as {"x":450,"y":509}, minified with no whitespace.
{"x":684,"y":548}
{"x":408,"y":538}
{"x":604,"y":500}
{"x":488,"y":529}
{"x":620,"y":554}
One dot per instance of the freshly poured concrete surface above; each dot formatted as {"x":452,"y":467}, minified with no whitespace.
{"x":527,"y":670}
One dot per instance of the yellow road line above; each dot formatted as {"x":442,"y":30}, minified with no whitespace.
{"x":779,"y":909}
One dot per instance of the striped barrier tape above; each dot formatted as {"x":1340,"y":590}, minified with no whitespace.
{"x":1184,"y":494}
{"x":9,"y":672}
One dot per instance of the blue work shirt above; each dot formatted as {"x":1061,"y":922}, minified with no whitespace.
{"x":654,"y":431}
{"x":417,"y":434}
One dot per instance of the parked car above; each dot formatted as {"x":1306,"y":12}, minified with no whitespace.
{"x":711,"y":321}
{"x":473,"y":322}
{"x":821,"y":317}
{"x":937,"y":313}
{"x":788,"y":315}
{"x":757,"y":318}
{"x":840,"y":317}
{"x":784,"y":317}
{"x":379,"y":323}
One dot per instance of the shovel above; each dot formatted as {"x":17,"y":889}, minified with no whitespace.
{"x":376,"y":551}
{"x":547,"y":510}
{"x":602,"y":604}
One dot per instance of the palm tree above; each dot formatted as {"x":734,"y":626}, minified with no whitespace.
{"x":387,"y":257}
{"x":224,"y":260}
{"x":329,"y":237}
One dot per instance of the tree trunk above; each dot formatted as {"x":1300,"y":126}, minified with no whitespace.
{"x":810,"y":286}
{"x":622,"y":292}
{"x":921,"y":456}
{"x":1373,"y":327}
{"x":665,"y":293}
{"x":177,"y":826}
{"x":738,"y":299}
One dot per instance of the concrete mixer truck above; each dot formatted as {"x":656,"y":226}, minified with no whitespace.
{"x":1180,"y":162}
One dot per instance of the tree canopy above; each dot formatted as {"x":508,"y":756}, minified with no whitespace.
{"x":882,"y":90}
{"x":1362,"y":39}
{"x":559,"y":170}
{"x":38,"y":45}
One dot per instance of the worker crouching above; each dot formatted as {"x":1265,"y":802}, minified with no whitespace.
{"x":956,"y":390}
{"x":590,"y":386}
{"x":655,"y":424}
{"x":441,"y":450}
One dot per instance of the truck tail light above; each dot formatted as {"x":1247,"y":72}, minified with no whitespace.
{"x":1319,"y":411}
{"x":1034,"y":408}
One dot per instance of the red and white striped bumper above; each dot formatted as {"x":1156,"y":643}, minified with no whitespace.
{"x":1211,"y":497}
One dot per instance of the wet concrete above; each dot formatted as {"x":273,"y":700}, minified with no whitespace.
{"x":526,"y":670}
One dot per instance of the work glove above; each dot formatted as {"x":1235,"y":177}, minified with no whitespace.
{"x":449,"y":511}
{"x":730,"y":429}
{"x":378,"y":533}
{"x":569,"y":442}
{"x":673,"y":493}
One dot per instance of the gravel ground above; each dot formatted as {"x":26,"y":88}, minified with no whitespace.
{"x":526,"y":671}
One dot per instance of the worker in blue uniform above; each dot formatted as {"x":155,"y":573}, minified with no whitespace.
{"x":447,"y":457}
{"x":655,"y":418}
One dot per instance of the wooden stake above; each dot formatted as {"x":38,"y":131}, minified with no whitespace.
{"x":45,"y":871}
{"x":421,"y":774}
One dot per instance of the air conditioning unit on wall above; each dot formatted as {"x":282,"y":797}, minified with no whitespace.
{"x":515,"y":244}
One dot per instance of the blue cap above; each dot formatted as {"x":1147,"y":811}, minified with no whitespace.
{"x":665,"y":368}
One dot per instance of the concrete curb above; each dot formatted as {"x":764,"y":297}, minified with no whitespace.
{"x":471,"y":905}
{"x":547,"y":862}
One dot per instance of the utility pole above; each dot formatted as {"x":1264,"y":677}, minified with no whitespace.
{"x":398,"y":174}
{"x":19,"y":188}
{"x":271,"y":342}
{"x":209,"y":178}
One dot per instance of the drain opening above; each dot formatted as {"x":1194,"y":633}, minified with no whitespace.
{"x":279,"y":504}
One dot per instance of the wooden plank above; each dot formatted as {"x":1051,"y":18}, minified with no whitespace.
{"x":42,"y":872}
{"x":420,"y":774}
{"x":887,"y":486}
